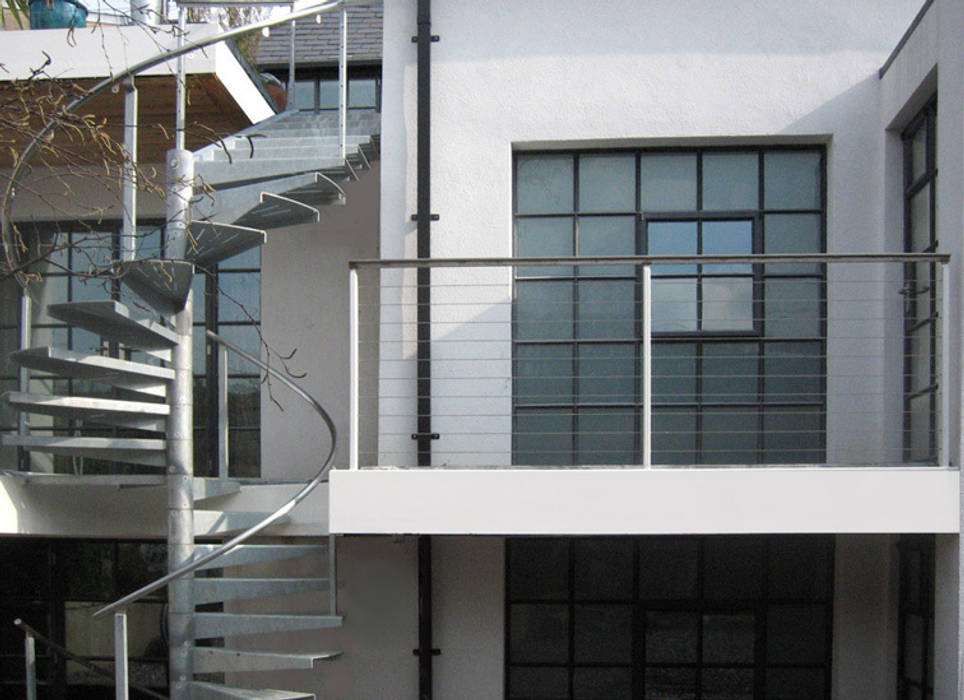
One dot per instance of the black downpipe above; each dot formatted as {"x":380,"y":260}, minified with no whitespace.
{"x":423,"y":219}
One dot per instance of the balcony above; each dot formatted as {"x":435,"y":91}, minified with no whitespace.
{"x":752,"y":372}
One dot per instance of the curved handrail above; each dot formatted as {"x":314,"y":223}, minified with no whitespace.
{"x":268,"y":520}
{"x":6,"y":240}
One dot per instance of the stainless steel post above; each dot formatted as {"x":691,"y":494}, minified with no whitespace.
{"x":223,"y":426}
{"x":121,"y":680}
{"x":290,"y":98}
{"x":343,"y":83}
{"x":128,"y":241}
{"x":30,"y":658}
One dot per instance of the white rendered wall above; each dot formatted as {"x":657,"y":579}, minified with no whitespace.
{"x":508,"y":75}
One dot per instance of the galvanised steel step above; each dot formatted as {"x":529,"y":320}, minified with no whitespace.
{"x":149,"y":452}
{"x":113,"y":320}
{"x":123,"y":374}
{"x":163,"y":284}
{"x":214,"y":691}
{"x":277,"y":210}
{"x":142,"y":415}
{"x":257,"y":553}
{"x":219,"y":659}
{"x":213,"y":590}
{"x":216,"y":522}
{"x":205,"y":488}
{"x":243,"y":151}
{"x":211,"y":242}
{"x":210,"y":625}
{"x":218,"y":174}
{"x":232,"y":203}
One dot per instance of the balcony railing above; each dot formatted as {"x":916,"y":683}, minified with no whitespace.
{"x":650,"y":361}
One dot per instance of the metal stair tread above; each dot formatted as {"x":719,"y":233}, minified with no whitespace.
{"x":257,"y":553}
{"x":135,"y":414}
{"x":205,"y":488}
{"x":217,"y":522}
{"x":163,"y":284}
{"x":214,"y":691}
{"x":219,"y":659}
{"x":212,"y":242}
{"x":276,"y":210}
{"x":135,"y":376}
{"x":113,"y":320}
{"x":147,"y":451}
{"x":209,"y":625}
{"x":211,"y":590}
{"x":219,"y":173}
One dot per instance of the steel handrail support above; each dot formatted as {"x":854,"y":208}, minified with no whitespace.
{"x":41,"y":137}
{"x":283,"y":510}
{"x":31,"y":633}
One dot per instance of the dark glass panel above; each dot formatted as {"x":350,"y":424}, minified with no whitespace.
{"x":793,"y":308}
{"x":140,"y":563}
{"x":668,"y":568}
{"x":668,"y":182}
{"x":793,"y":372}
{"x":728,"y":638}
{"x":796,"y":634}
{"x":602,"y":684}
{"x":672,"y":238}
{"x":603,"y":569}
{"x":730,"y":181}
{"x":25,"y":569}
{"x":606,"y":436}
{"x":538,"y":568}
{"x":328,"y":97}
{"x":362,"y":93}
{"x":543,"y":310}
{"x":670,"y":684}
{"x":603,"y":634}
{"x":792,"y":233}
{"x":731,"y":237}
{"x":544,"y":184}
{"x":249,"y":259}
{"x":244,"y":453}
{"x":539,"y":633}
{"x":89,"y":569}
{"x":674,"y":372}
{"x":607,"y":183}
{"x":543,"y":436}
{"x":727,"y":304}
{"x":795,"y":684}
{"x":730,"y":435}
{"x":733,"y":568}
{"x":543,"y":373}
{"x":240,"y":297}
{"x":544,"y":237}
{"x":672,"y":637}
{"x":607,"y":373}
{"x":791,"y":180}
{"x":727,"y":684}
{"x":248,"y":339}
{"x":305,"y":94}
{"x":607,"y":309}
{"x":799,"y":567}
{"x":538,"y":683}
{"x":674,"y":305}
{"x":607,"y":235}
{"x":913,"y":643}
{"x":792,"y":435}
{"x":674,"y":436}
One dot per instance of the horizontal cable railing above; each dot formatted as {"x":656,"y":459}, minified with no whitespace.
{"x":653,"y":361}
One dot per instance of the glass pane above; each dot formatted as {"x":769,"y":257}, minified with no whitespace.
{"x":727,"y":304}
{"x":792,"y":435}
{"x":538,"y":568}
{"x":305,"y":94}
{"x":921,"y":436}
{"x":920,"y":220}
{"x":918,"y":151}
{"x":543,"y":310}
{"x":91,"y":250}
{"x":792,"y":233}
{"x":26,"y":571}
{"x":797,"y":634}
{"x":730,"y":372}
{"x":244,"y":453}
{"x":52,"y":291}
{"x":239,"y":297}
{"x":603,"y":633}
{"x":799,"y":566}
{"x":544,"y":184}
{"x":198,"y":286}
{"x":248,"y":339}
{"x":607,"y":309}
{"x":607,"y":373}
{"x":140,"y":563}
{"x":328,"y":94}
{"x":674,"y":372}
{"x":544,"y":237}
{"x":668,"y":568}
{"x":727,"y":684}
{"x":89,"y":570}
{"x":543,"y":436}
{"x":602,"y":684}
{"x":607,"y":183}
{"x":603,"y":569}
{"x":672,"y":637}
{"x":543,"y":373}
{"x":538,"y":633}
{"x":606,"y":436}
{"x":248,"y":260}
{"x":791,"y":180}
{"x":792,"y":308}
{"x":672,"y":238}
{"x":607,"y":235}
{"x":730,"y":181}
{"x":795,"y":684}
{"x":674,"y":436}
{"x":794,"y":372}
{"x":361,"y":93}
{"x":538,"y":683}
{"x":89,"y":289}
{"x":244,"y":402}
{"x":729,"y":436}
{"x":727,"y":238}
{"x":668,"y":182}
{"x":670,"y":684}
{"x":733,"y":568}
{"x":728,"y":639}
{"x":674,"y":305}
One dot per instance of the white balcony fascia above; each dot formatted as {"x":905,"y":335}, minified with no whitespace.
{"x":636,"y":501}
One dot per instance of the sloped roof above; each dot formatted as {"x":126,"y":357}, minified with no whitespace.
{"x":317,"y":44}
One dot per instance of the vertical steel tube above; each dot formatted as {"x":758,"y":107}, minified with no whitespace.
{"x":223,"y":425}
{"x":180,"y":97}
{"x":290,"y":104}
{"x":121,"y":680}
{"x":944,"y":408}
{"x":353,"y":378}
{"x":343,"y":84}
{"x":332,"y":576}
{"x":30,"y":659}
{"x":646,"y":370}
{"x":23,"y":374}
{"x":128,"y":241}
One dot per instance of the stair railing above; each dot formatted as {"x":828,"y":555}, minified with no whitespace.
{"x":119,"y":607}
{"x":30,"y":636}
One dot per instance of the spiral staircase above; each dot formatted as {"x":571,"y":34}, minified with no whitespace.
{"x":274,"y":174}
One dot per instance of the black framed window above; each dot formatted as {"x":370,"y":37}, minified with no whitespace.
{"x":317,"y":90}
{"x":738,"y":350}
{"x":915,"y":650}
{"x":920,"y":288}
{"x":669,"y":617}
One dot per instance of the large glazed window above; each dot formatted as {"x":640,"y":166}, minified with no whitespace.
{"x":738,"y":350}
{"x":660,"y":618}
